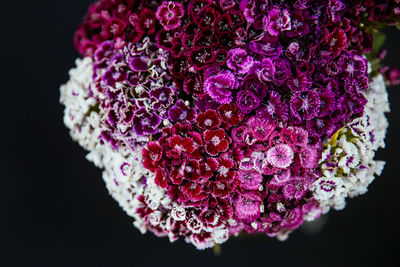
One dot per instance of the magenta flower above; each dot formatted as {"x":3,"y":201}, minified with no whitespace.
{"x":220,"y":86}
{"x":247,"y":101}
{"x":277,"y":21}
{"x":239,"y":61}
{"x":251,"y":180}
{"x":170,"y":14}
{"x":247,"y":208}
{"x":280,"y":156}
{"x":304,"y":106}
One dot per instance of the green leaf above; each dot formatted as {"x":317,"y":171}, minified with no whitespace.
{"x":398,"y":25}
{"x":379,"y":40}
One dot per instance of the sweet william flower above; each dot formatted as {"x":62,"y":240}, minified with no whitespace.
{"x":208,"y":120}
{"x":216,"y":141}
{"x":247,"y":101}
{"x":220,"y":86}
{"x":277,"y":21}
{"x":145,"y":123}
{"x":251,"y":180}
{"x":180,"y":145}
{"x":152,"y":154}
{"x":305,"y":106}
{"x":280,"y":156}
{"x":239,"y":61}
{"x":169,"y":14}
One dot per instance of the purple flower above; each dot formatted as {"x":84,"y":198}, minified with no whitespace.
{"x":220,"y":86}
{"x":145,"y":122}
{"x":274,"y":70}
{"x":267,"y":46}
{"x":304,"y":106}
{"x":253,"y":84}
{"x":239,"y":61}
{"x":279,"y":179}
{"x":181,"y":112}
{"x":275,"y":109}
{"x":333,"y":10}
{"x":293,"y":219}
{"x":353,"y":65}
{"x":278,"y":20}
{"x":300,"y":83}
{"x":138,"y":64}
{"x":327,"y":103}
{"x":247,"y":101}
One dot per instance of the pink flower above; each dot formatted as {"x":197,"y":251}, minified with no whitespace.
{"x":280,"y":156}
{"x":169,"y":14}
{"x":251,"y":180}
{"x":247,"y":208}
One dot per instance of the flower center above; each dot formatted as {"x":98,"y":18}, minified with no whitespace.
{"x":216,"y":141}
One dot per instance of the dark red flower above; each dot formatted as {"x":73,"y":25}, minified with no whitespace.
{"x":208,"y":120}
{"x":152,"y":155}
{"x":216,"y":141}
{"x":179,"y":146}
{"x":229,"y":114}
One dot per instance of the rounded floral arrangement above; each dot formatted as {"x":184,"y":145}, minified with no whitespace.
{"x":212,"y":118}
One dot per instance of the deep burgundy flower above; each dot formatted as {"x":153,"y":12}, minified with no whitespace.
{"x":169,"y":14}
{"x":229,"y":114}
{"x":253,"y":84}
{"x":145,"y":22}
{"x":337,"y":41}
{"x":224,"y":169}
{"x":179,"y":145}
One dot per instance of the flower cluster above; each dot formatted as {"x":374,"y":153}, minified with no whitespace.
{"x":211,"y":118}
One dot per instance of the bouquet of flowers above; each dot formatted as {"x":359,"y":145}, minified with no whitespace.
{"x":210,"y":118}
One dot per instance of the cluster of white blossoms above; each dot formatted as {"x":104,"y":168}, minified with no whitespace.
{"x":130,"y":184}
{"x":347,"y":163}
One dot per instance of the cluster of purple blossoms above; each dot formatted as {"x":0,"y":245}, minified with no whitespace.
{"x":228,"y":105}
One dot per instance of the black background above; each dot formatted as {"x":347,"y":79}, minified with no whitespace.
{"x":55,"y":210}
